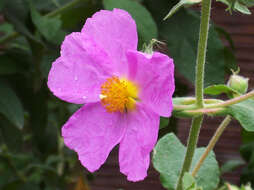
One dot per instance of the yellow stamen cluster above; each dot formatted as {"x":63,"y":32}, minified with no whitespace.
{"x":118,"y":95}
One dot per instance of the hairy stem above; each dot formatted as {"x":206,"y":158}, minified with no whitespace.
{"x":192,"y":143}
{"x":58,"y":11}
{"x":201,"y":56}
{"x":218,"y":106}
{"x":200,"y":65}
{"x":233,"y":101}
{"x":211,"y":144}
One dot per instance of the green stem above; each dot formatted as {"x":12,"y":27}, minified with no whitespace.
{"x":63,"y":8}
{"x":211,"y":144}
{"x":192,"y":143}
{"x":58,"y":11}
{"x":219,"y":106}
{"x":201,"y":56}
{"x":233,"y":101}
{"x":60,"y":166}
{"x":200,"y":65}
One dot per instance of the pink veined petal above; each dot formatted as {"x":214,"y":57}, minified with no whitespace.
{"x":92,"y":132}
{"x":115,"y":32}
{"x":155,"y":76}
{"x":142,"y":128}
{"x":78,"y":74}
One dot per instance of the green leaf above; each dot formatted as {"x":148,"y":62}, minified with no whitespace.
{"x":7,"y":65}
{"x":247,"y":136}
{"x":11,"y":136}
{"x":17,"y":13}
{"x":180,"y":4}
{"x":147,"y":28}
{"x":248,"y":3}
{"x":241,"y":8}
{"x":75,"y":17}
{"x":6,"y":28}
{"x":244,"y":113}
{"x":219,"y":89}
{"x":168,"y":157}
{"x":188,"y":181}
{"x":48,"y":27}
{"x":10,"y":105}
{"x":164,"y":122}
{"x":231,"y":165}
{"x":181,"y":34}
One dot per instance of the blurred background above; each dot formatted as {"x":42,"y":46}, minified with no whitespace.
{"x":32,"y":153}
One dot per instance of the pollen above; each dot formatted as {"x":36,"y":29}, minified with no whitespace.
{"x":119,"y":95}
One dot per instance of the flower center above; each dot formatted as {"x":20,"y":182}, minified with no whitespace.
{"x":118,"y":95}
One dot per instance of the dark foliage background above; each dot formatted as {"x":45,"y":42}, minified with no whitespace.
{"x":32,"y":153}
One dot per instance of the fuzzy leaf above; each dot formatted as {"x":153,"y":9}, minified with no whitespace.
{"x":244,"y":113}
{"x":168,"y":157}
{"x":10,"y":105}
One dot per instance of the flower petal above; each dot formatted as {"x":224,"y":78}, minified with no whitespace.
{"x":92,"y":132}
{"x":115,"y":32}
{"x":155,"y":76}
{"x":142,"y":128}
{"x":77,"y":75}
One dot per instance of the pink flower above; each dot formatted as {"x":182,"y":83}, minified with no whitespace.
{"x":124,"y":91}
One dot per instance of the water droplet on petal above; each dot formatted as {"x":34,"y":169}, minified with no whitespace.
{"x":84,"y":97}
{"x":76,"y":78}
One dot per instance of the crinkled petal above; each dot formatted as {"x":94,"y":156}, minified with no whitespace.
{"x":78,"y":74}
{"x":155,"y":76}
{"x":142,"y":128}
{"x":115,"y":32}
{"x":92,"y":132}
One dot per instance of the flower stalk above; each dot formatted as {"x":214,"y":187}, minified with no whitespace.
{"x":199,"y":85}
{"x":192,"y":143}
{"x":211,"y":144}
{"x":202,"y":46}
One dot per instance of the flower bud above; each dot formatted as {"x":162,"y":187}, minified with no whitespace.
{"x":238,"y":83}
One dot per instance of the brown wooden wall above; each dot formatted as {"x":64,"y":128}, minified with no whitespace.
{"x":241,"y":28}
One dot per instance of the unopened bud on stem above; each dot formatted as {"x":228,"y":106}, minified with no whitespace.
{"x":238,"y":83}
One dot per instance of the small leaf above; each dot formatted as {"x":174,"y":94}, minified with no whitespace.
{"x":244,"y":113}
{"x":188,"y":181}
{"x":219,"y":89}
{"x":48,"y":27}
{"x":241,"y":8}
{"x":180,"y":4}
{"x":146,"y":26}
{"x":10,"y":105}
{"x":168,"y":157}
{"x":6,"y":29}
